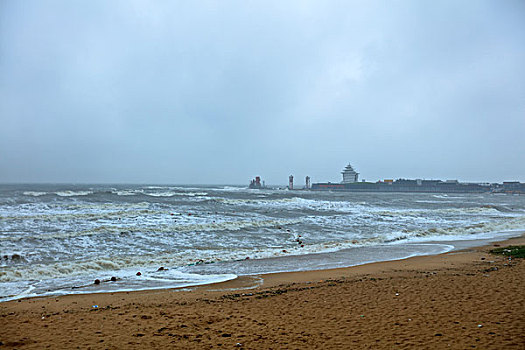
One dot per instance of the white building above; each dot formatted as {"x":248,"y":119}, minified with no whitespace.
{"x":349,"y":175}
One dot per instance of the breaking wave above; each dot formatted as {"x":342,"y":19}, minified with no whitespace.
{"x":73,"y":193}
{"x":34,"y":193}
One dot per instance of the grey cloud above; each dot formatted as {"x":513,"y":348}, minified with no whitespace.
{"x":218,"y":92}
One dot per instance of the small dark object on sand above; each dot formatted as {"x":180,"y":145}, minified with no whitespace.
{"x":161,"y":268}
{"x":97,"y":281}
{"x":139,"y":274}
{"x":113,"y":279}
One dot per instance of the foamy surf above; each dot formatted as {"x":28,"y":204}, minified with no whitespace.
{"x":34,"y":193}
{"x":113,"y":281}
{"x":73,"y":193}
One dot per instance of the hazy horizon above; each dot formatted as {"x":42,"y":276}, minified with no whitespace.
{"x":137,"y":92}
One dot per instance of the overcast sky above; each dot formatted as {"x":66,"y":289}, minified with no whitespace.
{"x":217,"y":92}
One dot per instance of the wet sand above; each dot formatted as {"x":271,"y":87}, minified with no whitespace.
{"x":458,"y":300}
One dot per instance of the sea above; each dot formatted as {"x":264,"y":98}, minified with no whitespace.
{"x":59,"y":239}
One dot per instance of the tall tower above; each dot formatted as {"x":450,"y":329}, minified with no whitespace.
{"x":349,"y":175}
{"x":308,"y":182}
{"x":290,"y":182}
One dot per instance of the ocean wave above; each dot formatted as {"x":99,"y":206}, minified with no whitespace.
{"x":484,"y":209}
{"x":70,"y":193}
{"x":126,"y":192}
{"x":233,"y":189}
{"x":228,"y":253}
{"x":172,"y":194}
{"x":34,"y":193}
{"x":122,"y":266}
{"x":93,"y":208}
{"x":153,"y":228}
{"x":102,"y":215}
{"x":499,"y":208}
{"x":165,"y":193}
{"x":78,"y":278}
{"x":294,"y":203}
{"x":119,"y":266}
{"x":186,"y":189}
{"x":434,"y":202}
{"x":502,"y":225}
{"x":160,"y":194}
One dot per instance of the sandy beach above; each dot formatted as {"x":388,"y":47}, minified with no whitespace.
{"x":458,"y":300}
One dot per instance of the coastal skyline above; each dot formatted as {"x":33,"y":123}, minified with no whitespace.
{"x":220,"y":92}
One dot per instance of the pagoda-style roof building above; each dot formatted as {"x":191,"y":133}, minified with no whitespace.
{"x":349,"y":175}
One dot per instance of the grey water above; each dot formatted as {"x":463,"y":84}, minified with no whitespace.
{"x":57,"y":239}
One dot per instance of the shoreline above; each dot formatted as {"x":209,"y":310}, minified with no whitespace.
{"x":460,"y":299}
{"x":272,"y":279}
{"x":318,"y":261}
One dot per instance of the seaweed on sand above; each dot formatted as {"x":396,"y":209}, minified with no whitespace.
{"x":515,"y":251}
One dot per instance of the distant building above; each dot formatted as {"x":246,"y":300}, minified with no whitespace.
{"x":256,"y":183}
{"x":513,"y":187}
{"x":350,"y":183}
{"x":349,"y":175}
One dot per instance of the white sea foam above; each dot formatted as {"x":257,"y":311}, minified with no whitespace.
{"x":160,"y":194}
{"x":126,"y":281}
{"x":65,"y":216}
{"x":70,"y":193}
{"x":126,"y":193}
{"x":171,"y":194}
{"x":419,"y":212}
{"x":119,"y":266}
{"x":188,"y":189}
{"x":157,"y":228}
{"x":293,"y":203}
{"x":446,"y":196}
{"x":233,"y":189}
{"x":434,"y":202}
{"x":34,"y":193}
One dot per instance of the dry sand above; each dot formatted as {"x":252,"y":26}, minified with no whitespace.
{"x":459,"y":300}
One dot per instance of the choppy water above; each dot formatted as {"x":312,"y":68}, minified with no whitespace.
{"x":56,"y":239}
